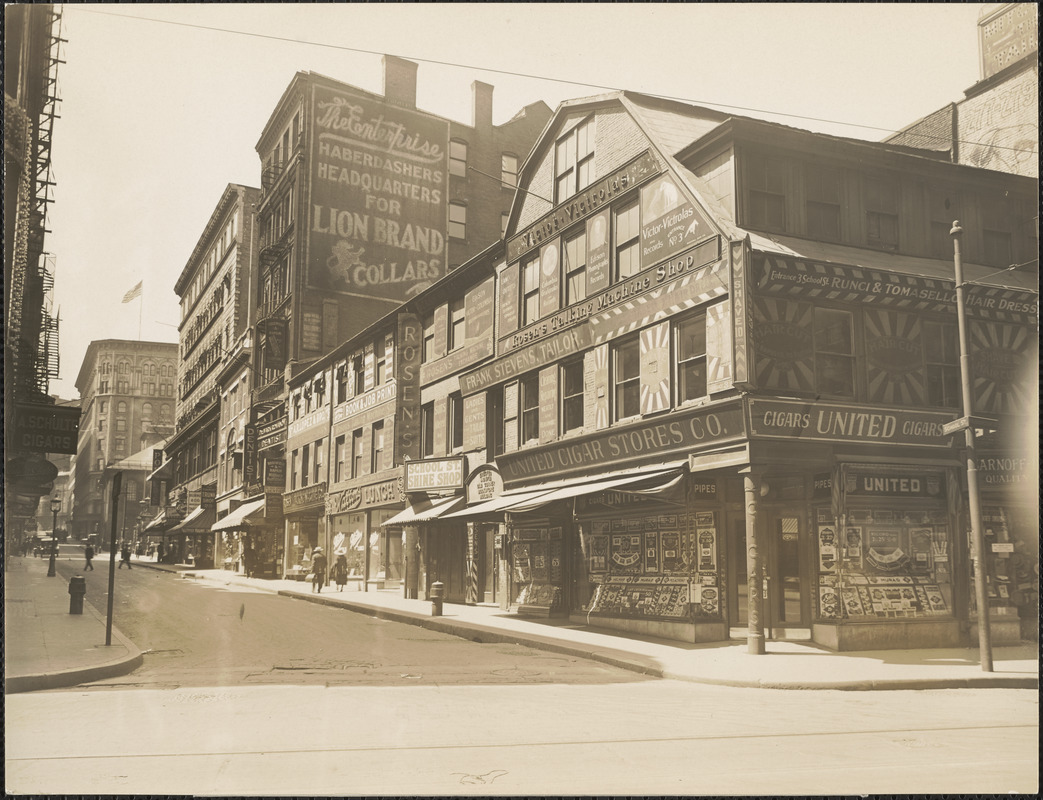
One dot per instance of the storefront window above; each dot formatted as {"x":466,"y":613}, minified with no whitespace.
{"x":349,"y":536}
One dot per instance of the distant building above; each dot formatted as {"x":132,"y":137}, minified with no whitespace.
{"x":996,"y":125}
{"x":127,"y":395}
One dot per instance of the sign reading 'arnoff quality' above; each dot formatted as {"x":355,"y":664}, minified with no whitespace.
{"x":377,"y":215}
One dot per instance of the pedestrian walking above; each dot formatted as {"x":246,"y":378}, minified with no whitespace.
{"x":318,"y":569}
{"x":88,"y":554}
{"x":124,"y":556}
{"x":340,"y":569}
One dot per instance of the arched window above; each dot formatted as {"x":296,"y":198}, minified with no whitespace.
{"x":123,"y":367}
{"x":164,"y":413}
{"x":146,"y":411}
{"x":121,"y":408}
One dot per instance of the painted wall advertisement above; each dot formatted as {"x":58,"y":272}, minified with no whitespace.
{"x":670,"y":222}
{"x":377,"y":216}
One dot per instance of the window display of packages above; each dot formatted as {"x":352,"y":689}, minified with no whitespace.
{"x":884,"y":564}
{"x":1011,"y":572}
{"x":536,"y":566}
{"x":653,"y":565}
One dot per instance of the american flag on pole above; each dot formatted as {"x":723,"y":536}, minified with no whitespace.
{"x":135,"y":292}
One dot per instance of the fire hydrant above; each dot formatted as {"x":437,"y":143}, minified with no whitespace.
{"x":437,"y":594}
{"x":77,"y":589}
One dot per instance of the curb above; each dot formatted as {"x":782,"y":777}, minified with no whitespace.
{"x":633,"y":663}
{"x":33,"y":682}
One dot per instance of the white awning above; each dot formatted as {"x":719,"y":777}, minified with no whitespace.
{"x":501,"y":503}
{"x":658,"y":481}
{"x":423,"y":510}
{"x":159,"y":523}
{"x":239,"y":517}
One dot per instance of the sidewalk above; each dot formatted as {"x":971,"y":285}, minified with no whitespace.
{"x":786,"y":665}
{"x":47,"y":647}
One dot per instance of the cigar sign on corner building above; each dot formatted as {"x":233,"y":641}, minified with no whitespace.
{"x":378,"y":209}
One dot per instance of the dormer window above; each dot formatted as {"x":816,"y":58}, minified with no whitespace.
{"x":574,"y":161}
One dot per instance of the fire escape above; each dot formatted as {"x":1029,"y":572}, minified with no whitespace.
{"x":40,"y":359}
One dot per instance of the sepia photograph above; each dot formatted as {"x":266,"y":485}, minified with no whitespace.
{"x":521,"y":399}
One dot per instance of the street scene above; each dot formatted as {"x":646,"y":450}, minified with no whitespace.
{"x":454,"y":385}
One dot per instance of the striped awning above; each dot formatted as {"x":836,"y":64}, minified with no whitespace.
{"x":424,"y":510}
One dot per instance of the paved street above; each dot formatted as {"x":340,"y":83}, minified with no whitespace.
{"x":296,"y":698}
{"x":653,"y":737}
{"x":199,"y":634}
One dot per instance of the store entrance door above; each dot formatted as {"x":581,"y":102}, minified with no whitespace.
{"x":786,"y":604}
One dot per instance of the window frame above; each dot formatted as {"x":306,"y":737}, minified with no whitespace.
{"x":821,"y":355}
{"x":571,"y":403}
{"x":458,"y":226}
{"x":530,"y":295}
{"x":631,"y":245}
{"x":455,"y":324}
{"x":376,"y":453}
{"x":427,"y":430}
{"x":458,"y":163}
{"x":509,"y":177}
{"x":943,"y":371}
{"x":816,"y":199}
{"x":574,"y":271}
{"x":357,"y":454}
{"x":529,"y":409}
{"x":681,"y":395}
{"x":454,"y":422}
{"x":574,"y":160}
{"x":765,"y":192}
{"x":627,"y":390}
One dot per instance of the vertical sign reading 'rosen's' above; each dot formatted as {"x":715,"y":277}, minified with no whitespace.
{"x":377,"y":216}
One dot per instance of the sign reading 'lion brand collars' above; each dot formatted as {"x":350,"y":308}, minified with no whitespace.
{"x":792,"y":419}
{"x":378,"y":197}
{"x":435,"y":474}
{"x":677,"y":433}
{"x":584,"y":203}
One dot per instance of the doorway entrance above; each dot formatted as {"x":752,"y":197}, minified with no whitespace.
{"x":786,"y":601}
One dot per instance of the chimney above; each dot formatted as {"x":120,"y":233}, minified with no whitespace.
{"x":399,"y":81}
{"x":482,"y":102}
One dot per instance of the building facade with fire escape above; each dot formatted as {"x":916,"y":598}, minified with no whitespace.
{"x":366,"y":201}
{"x":34,"y":424}
{"x":216,"y":289}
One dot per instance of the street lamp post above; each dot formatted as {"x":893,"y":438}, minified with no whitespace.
{"x":974,"y":502}
{"x":56,"y":506}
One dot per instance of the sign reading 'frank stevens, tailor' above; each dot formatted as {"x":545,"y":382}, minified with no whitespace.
{"x":377,"y":216}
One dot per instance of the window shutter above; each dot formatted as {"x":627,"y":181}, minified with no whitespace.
{"x":474,"y":421}
{"x":718,"y":347}
{"x":510,"y":417}
{"x":508,"y":300}
{"x":549,"y":404}
{"x":655,"y":368}
{"x":595,"y":368}
{"x":550,"y":277}
{"x":441,"y":320}
{"x":440,"y":419}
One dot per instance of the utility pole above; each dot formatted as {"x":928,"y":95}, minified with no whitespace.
{"x":117,"y":485}
{"x":974,"y":502}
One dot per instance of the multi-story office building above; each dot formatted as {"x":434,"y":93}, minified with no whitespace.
{"x":216,"y":290}
{"x":703,"y":389}
{"x":127,"y":396}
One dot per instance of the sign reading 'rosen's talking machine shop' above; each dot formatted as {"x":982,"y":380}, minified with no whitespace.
{"x":377,"y":216}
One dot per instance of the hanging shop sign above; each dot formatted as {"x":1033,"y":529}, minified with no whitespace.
{"x":407,"y":414}
{"x":307,"y":499}
{"x":274,"y":474}
{"x":484,"y":484}
{"x":251,"y":473}
{"x":829,"y":422}
{"x":583,"y":204}
{"x":44,"y":429}
{"x":678,"y":433}
{"x":273,"y":346}
{"x":271,"y":433}
{"x":273,"y":507}
{"x":205,"y":496}
{"x":436,"y":474}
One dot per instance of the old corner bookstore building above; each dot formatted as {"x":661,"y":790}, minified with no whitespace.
{"x":698,"y":328}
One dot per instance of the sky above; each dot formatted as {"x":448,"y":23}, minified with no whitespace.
{"x":163,"y":104}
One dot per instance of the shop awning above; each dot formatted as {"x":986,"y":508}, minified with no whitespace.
{"x":164,"y":472}
{"x":535,"y":496}
{"x":424,"y":510}
{"x":240,"y":517}
{"x":198,"y":521}
{"x":653,"y":482}
{"x":159,"y":524}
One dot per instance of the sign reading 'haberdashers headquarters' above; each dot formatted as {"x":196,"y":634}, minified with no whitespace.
{"x":378,"y":210}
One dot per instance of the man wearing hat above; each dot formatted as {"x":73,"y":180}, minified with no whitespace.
{"x":318,"y":569}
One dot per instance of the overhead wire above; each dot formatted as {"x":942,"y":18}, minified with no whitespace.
{"x":529,"y":76}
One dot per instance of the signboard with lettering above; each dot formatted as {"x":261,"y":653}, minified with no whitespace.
{"x":484,"y":484}
{"x":893,"y":484}
{"x":591,"y":199}
{"x":478,"y":305}
{"x":251,"y":478}
{"x":374,"y":397}
{"x":407,"y":367}
{"x":274,"y":473}
{"x":311,"y":330}
{"x":670,"y":222}
{"x":377,"y":212}
{"x":996,"y":470}
{"x":598,"y":275}
{"x":44,"y":429}
{"x":310,"y":498}
{"x":541,"y":353}
{"x":832,"y":422}
{"x":435,"y":474}
{"x":271,"y":433}
{"x":676,"y":434}
{"x":274,"y":343}
{"x":381,"y":493}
